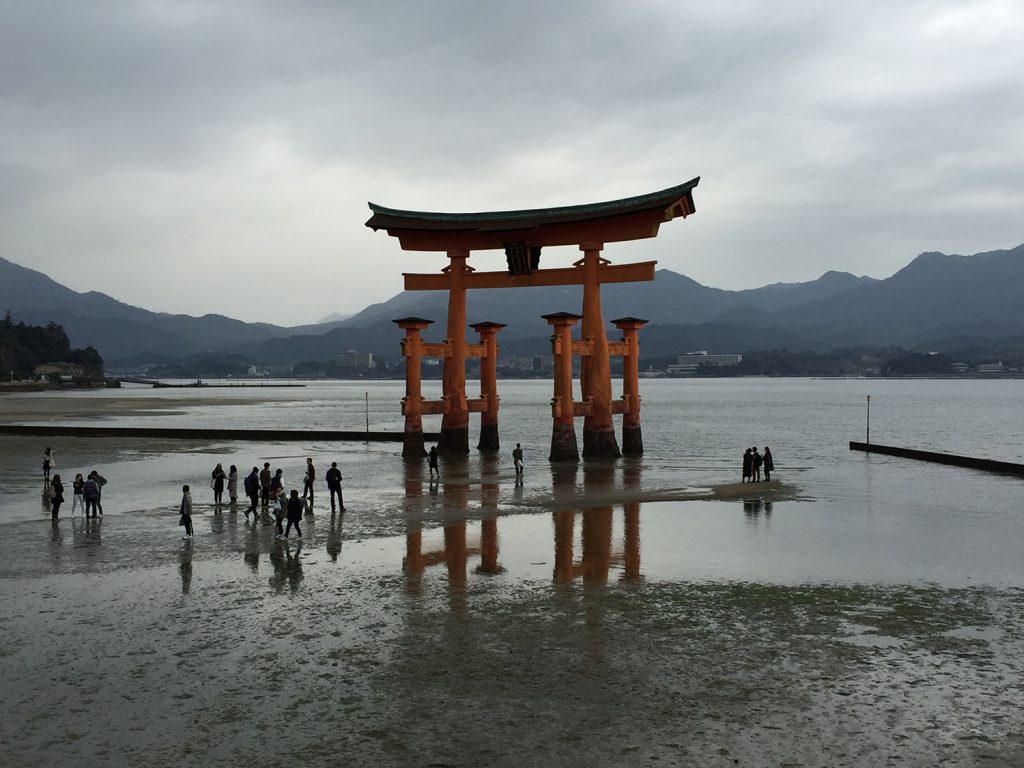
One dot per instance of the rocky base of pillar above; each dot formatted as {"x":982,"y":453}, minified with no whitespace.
{"x":489,"y":438}
{"x":632,"y":441}
{"x":600,"y":445}
{"x":454,"y":441}
{"x":412,"y":446}
{"x":563,"y":444}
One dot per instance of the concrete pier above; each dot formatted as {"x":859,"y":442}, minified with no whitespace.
{"x":969,"y":462}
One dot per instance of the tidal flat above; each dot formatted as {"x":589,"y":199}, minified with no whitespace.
{"x":862,"y":611}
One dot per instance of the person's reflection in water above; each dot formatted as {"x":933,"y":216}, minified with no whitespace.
{"x":57,"y":540}
{"x":217,"y":523}
{"x":752,"y":510}
{"x":185,"y":566}
{"x":768,"y":511}
{"x":277,"y":559}
{"x":293,"y":565}
{"x":93,"y":530}
{"x":252,"y":549}
{"x":334,"y":537}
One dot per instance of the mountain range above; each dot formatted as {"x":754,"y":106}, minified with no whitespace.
{"x":935,"y":298}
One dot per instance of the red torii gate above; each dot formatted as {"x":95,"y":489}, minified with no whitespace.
{"x":521,"y":235}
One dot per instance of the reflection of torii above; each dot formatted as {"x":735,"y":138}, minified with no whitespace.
{"x":588,"y":227}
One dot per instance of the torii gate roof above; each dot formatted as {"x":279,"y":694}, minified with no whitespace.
{"x":631,"y":218}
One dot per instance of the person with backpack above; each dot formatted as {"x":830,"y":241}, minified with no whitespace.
{"x":252,"y":490}
{"x":333,"y":478}
{"x":517,"y":459}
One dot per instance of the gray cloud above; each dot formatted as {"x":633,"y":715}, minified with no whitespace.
{"x":189,"y":156}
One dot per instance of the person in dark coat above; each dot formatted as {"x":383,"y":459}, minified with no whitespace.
{"x":307,"y":481}
{"x":265,"y":484}
{"x":217,"y":478}
{"x":432,"y":461}
{"x":769,"y":464}
{"x":755,"y":464}
{"x":56,"y":496}
{"x":294,"y":514}
{"x":333,"y":478}
{"x":747,"y":464}
{"x":91,"y":494}
{"x":252,"y":490}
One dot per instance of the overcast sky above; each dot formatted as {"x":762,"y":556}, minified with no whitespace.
{"x":218,"y":156}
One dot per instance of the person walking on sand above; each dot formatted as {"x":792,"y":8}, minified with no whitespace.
{"x":56,"y":496}
{"x":277,"y":485}
{"x":517,"y":459}
{"x":186,"y":512}
{"x":77,"y":500}
{"x":265,"y":484}
{"x":307,"y":480}
{"x":747,"y":464}
{"x":432,"y":462}
{"x":755,"y":464}
{"x":294,"y":514}
{"x":280,"y":510}
{"x":233,"y":485}
{"x":333,"y":478}
{"x":217,"y":478}
{"x":252,"y":490}
{"x":769,"y":464}
{"x":49,"y":462}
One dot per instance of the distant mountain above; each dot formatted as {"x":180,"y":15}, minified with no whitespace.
{"x":933,"y":299}
{"x":117,"y":329}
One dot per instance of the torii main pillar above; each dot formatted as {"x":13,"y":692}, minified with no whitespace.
{"x":595,"y":369}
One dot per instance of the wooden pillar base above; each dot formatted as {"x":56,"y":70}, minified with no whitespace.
{"x":632,"y":441}
{"x":412,"y":445}
{"x":600,"y":444}
{"x":489,"y":438}
{"x":454,"y":441}
{"x":563,"y":444}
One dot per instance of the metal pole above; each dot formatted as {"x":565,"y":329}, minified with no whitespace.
{"x":366,"y":395}
{"x":868,"y":440}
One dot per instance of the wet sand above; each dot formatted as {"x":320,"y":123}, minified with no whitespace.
{"x":127,"y":645}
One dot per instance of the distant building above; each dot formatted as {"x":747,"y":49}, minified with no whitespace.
{"x":354,"y":359}
{"x":64,"y":370}
{"x":687,"y":365}
{"x":959,"y":367}
{"x":991,"y":368}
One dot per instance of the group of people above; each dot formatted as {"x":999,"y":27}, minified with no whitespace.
{"x":517,"y":461}
{"x":754,"y":463}
{"x":265,"y":489}
{"x":86,"y":492}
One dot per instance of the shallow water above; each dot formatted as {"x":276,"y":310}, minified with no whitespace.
{"x":876,"y":620}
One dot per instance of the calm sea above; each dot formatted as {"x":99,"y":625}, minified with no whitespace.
{"x":864,"y":518}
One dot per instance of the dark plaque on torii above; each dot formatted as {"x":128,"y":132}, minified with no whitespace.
{"x":522,"y":258}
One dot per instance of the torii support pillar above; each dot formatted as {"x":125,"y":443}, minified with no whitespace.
{"x":412,"y":403}
{"x":455,"y":422}
{"x":595,"y":370}
{"x":563,"y":431}
{"x":632,"y":438}
{"x":489,"y":385}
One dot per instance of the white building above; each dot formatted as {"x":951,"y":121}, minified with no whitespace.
{"x":686,"y":365}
